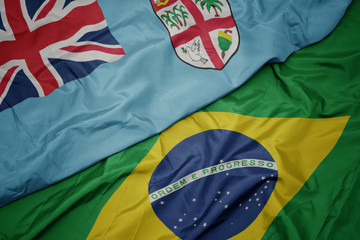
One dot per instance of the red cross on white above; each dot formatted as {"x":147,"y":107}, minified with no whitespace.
{"x":53,"y":32}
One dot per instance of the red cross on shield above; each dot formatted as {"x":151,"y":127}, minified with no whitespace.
{"x":203,"y":32}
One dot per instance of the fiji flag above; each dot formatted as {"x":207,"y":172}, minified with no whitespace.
{"x":47,"y":43}
{"x":276,"y":159}
{"x":67,"y":101}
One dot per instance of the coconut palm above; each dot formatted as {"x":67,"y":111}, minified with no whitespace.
{"x":215,"y":4}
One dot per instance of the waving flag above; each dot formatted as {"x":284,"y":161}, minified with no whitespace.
{"x":114,"y":105}
{"x":45,"y":44}
{"x":217,"y":175}
{"x":303,"y":114}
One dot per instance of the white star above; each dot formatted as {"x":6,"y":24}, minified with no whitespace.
{"x":228,"y":192}
{"x":194,"y":200}
{"x":272,"y":175}
{"x":226,"y":206}
{"x":267,"y":181}
{"x":194,"y":225}
{"x":255,"y":194}
{"x":218,"y":192}
{"x":162,"y":202}
{"x":232,"y":223}
{"x":257,"y":199}
{"x":250,"y":200}
{"x":180,"y":219}
{"x":246,"y":208}
{"x":215,"y":199}
{"x":221,"y":161}
{"x":184,"y":214}
{"x":262,"y":177}
{"x":205,"y":224}
{"x":175,"y":227}
{"x":227,"y":174}
{"x":261,"y":192}
{"x":221,"y":201}
{"x":195,"y":219}
{"x":265,"y":187}
{"x":240,"y":205}
{"x":259,"y":204}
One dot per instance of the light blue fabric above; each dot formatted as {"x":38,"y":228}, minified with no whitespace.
{"x":44,"y":140}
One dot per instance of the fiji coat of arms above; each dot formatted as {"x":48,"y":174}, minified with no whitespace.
{"x":203,"y":32}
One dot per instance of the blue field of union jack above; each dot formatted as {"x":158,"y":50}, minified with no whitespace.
{"x":47,"y":43}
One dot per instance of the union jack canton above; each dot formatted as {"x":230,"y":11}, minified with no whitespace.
{"x":47,"y":43}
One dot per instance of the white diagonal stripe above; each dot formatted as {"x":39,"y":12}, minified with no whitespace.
{"x":205,"y":172}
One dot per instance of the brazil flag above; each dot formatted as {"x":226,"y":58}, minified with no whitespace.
{"x":276,"y":159}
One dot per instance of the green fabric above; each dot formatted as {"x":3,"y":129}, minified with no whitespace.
{"x":326,"y":83}
{"x":320,"y":81}
{"x":68,"y":210}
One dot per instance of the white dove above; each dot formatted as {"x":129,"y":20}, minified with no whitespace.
{"x":194,"y":52}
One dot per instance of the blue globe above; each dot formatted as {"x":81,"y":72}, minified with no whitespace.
{"x":212,"y":185}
